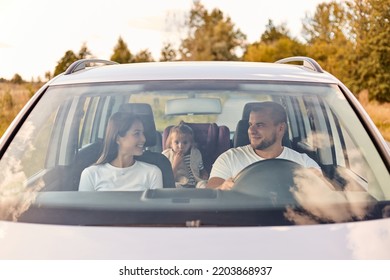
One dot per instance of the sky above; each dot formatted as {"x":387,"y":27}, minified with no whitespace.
{"x":34,"y":35}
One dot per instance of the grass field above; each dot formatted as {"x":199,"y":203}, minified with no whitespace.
{"x":379,"y":113}
{"x":14,"y":96}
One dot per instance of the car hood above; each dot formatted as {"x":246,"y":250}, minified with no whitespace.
{"x":357,"y":240}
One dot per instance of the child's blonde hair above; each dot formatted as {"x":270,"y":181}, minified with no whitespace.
{"x":180,"y":129}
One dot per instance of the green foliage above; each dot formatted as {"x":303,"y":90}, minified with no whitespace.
{"x":329,"y":22}
{"x":274,"y":44}
{"x":17,"y":79}
{"x":327,"y":34}
{"x":370,"y":21}
{"x":121,"y":52}
{"x":123,"y":55}
{"x":65,"y":62}
{"x":143,"y":56}
{"x":84,"y":52}
{"x":349,"y":39}
{"x":69,"y":58}
{"x":168,"y":53}
{"x":211,"y":36}
{"x":274,"y":33}
{"x":48,"y":75}
{"x":270,"y":52}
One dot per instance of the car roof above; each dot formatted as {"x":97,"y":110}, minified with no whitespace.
{"x":191,"y":70}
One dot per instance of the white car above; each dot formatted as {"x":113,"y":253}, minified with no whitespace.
{"x":276,"y":209}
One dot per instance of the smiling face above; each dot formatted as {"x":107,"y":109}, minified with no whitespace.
{"x":181,"y":143}
{"x":264,"y":133}
{"x":132,"y":143}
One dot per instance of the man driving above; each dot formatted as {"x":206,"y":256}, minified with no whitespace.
{"x":267,"y":125}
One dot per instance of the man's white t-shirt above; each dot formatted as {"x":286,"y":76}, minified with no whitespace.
{"x":105,"y":177}
{"x":230,"y":163}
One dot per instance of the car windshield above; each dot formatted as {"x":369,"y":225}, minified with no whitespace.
{"x":65,"y":133}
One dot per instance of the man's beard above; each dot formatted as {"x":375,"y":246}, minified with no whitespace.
{"x":266,"y":143}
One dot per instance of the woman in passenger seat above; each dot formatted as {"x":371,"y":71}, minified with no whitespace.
{"x":117,"y":169}
{"x":186,"y":159}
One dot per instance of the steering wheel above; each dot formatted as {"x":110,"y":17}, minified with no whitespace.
{"x":271,"y":178}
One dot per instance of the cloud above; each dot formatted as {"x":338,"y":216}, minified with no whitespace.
{"x":150,"y":23}
{"x":323,"y":202}
{"x":173,"y":21}
{"x":15,"y":197}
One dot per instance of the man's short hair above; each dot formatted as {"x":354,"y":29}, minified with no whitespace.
{"x":277,"y":112}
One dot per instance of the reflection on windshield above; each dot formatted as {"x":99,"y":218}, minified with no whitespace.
{"x":15,"y":198}
{"x":322,"y":202}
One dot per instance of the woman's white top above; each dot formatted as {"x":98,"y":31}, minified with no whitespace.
{"x":105,"y":177}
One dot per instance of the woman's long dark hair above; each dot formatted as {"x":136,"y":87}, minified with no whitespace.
{"x":118,"y":125}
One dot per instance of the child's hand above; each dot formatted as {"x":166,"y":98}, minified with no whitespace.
{"x":177,"y":159}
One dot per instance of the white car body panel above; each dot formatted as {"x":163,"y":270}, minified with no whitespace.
{"x":193,"y":71}
{"x":360,"y":240}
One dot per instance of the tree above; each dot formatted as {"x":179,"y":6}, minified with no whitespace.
{"x":17,"y":79}
{"x":65,"y":62}
{"x":328,"y":22}
{"x":328,"y":36}
{"x":274,"y":33}
{"x":121,"y":52}
{"x":48,"y":75}
{"x":168,"y":53}
{"x":69,"y":58}
{"x":211,"y":36}
{"x":275,"y":43}
{"x":143,"y":56}
{"x":84,"y":52}
{"x":370,"y":21}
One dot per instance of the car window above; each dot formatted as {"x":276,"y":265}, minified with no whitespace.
{"x":87,"y":128}
{"x":65,"y":131}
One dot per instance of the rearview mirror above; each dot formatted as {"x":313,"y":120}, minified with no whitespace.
{"x":193,"y":106}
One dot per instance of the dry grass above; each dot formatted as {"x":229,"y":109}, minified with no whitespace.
{"x":12,"y":99}
{"x":379,"y":113}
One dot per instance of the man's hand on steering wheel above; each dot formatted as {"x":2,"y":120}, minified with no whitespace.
{"x":227,"y":185}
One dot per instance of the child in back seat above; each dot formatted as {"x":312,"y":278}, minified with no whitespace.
{"x":186,"y":159}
